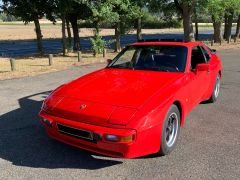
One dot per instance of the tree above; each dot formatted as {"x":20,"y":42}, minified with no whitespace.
{"x":231,"y":8}
{"x":101,"y":12}
{"x":30,"y":11}
{"x":186,"y":8}
{"x":216,"y":11}
{"x":238,"y":27}
{"x":79,"y":10}
{"x":237,"y":35}
{"x":127,"y":13}
{"x":141,"y":4}
{"x":61,"y":9}
{"x":200,"y":11}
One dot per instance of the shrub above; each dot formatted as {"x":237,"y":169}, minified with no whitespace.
{"x":98,"y":43}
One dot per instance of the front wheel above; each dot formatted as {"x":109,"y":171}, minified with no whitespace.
{"x":216,"y":90}
{"x":170,"y":130}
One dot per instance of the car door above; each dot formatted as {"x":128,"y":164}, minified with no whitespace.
{"x":213,"y":62}
{"x":199,"y":80}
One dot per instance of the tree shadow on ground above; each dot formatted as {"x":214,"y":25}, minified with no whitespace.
{"x":23,"y":141}
{"x":25,"y":48}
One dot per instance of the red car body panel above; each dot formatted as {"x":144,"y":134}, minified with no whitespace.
{"x":127,"y":103}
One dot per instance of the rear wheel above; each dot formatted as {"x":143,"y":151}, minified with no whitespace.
{"x":170,"y":130}
{"x":216,"y":90}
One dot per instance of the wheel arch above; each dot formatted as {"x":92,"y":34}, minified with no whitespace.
{"x":181,"y":110}
{"x":220,"y":73}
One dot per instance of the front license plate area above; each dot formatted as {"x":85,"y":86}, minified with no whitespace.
{"x":75,"y":132}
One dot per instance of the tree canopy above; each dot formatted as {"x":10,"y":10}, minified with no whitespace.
{"x":124,"y":15}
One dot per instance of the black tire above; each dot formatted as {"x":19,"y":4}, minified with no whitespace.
{"x":170,"y":131}
{"x":216,"y":90}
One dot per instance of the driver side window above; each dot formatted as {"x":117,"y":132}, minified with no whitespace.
{"x":197,"y":57}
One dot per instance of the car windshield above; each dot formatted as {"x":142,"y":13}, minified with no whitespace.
{"x":168,"y":58}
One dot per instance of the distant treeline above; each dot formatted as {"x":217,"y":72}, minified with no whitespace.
{"x":125,"y":15}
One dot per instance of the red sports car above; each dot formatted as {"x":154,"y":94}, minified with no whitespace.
{"x":137,"y":104}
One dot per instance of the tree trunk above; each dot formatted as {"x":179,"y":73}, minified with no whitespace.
{"x":39,"y":36}
{"x":64,"y":35}
{"x":187,"y":11}
{"x":229,"y":27}
{"x":76,"y":38}
{"x":196,"y":30}
{"x":217,"y":36}
{"x":139,"y":28}
{"x":225,"y":25}
{"x":238,"y":27}
{"x":69,"y":34}
{"x":187,"y":25}
{"x":117,"y":38}
{"x":196,"y":24}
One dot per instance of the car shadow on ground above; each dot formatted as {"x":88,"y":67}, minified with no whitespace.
{"x":23,"y":141}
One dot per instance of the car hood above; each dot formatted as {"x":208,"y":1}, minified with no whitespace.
{"x":118,"y":87}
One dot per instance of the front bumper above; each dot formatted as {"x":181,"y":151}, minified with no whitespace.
{"x":101,"y":146}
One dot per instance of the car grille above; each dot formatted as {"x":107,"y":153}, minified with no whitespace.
{"x":77,"y":133}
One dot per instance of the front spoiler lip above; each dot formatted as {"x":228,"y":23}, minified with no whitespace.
{"x":113,"y":149}
{"x":88,"y":148}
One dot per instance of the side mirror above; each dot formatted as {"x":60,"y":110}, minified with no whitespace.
{"x":202,"y":67}
{"x":109,"y":61}
{"x":213,"y":50}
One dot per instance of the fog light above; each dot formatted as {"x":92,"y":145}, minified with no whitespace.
{"x":115,"y":138}
{"x":47,"y":122}
{"x":112,"y":138}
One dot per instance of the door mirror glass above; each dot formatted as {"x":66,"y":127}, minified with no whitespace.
{"x":202,"y":67}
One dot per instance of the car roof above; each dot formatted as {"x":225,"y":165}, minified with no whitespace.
{"x":187,"y":44}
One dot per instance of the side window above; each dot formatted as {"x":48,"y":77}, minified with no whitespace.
{"x":197,"y":57}
{"x":206,"y":54}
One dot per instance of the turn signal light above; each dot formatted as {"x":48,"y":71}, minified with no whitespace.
{"x":127,"y":138}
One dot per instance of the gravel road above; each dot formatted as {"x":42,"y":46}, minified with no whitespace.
{"x":208,"y":148}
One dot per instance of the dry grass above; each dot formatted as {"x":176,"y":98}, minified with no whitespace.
{"x":224,"y":45}
{"x":35,"y":66}
{"x":18,"y":31}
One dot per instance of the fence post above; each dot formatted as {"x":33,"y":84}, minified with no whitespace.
{"x":79,"y":56}
{"x":235,"y":39}
{"x":212,"y":42}
{"x":50,"y":59}
{"x":13,"y":64}
{"x":229,"y":40}
{"x":104,"y":52}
